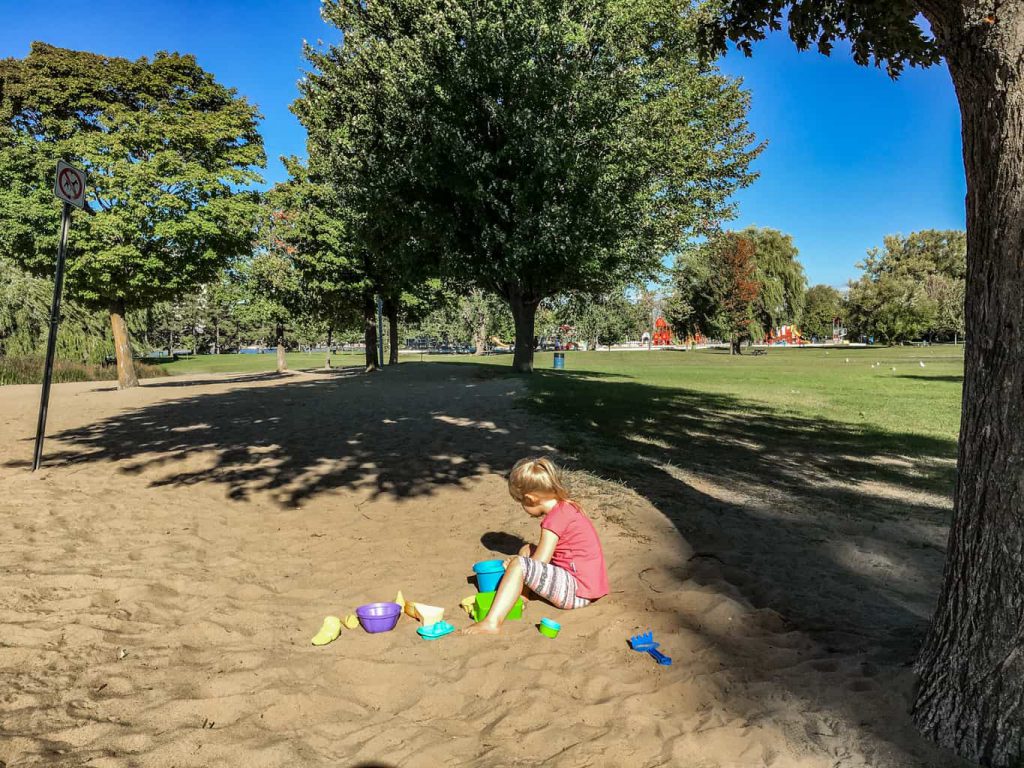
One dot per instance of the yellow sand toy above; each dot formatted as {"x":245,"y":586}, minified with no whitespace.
{"x":329,"y":631}
{"x":428,"y":614}
{"x":351,"y":621}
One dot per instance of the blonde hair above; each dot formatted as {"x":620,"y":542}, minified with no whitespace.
{"x":539,"y":477}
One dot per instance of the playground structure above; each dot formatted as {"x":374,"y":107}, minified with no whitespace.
{"x":662,"y":333}
{"x":785,"y":335}
{"x":838,"y":331}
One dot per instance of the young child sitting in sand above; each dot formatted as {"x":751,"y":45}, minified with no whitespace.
{"x":566,"y":566}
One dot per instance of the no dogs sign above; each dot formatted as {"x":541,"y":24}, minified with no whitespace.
{"x":69,"y":185}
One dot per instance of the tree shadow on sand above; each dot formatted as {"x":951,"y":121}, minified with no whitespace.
{"x":792,"y":512}
{"x":840,"y":529}
{"x":307,"y":435}
{"x":754,"y":488}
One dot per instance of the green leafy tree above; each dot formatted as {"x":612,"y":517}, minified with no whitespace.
{"x":607,"y":319}
{"x":538,"y":147}
{"x":971,"y":693}
{"x":166,"y":148}
{"x":889,"y":308}
{"x":472,"y":316}
{"x":781,"y":278}
{"x":822,"y":305}
{"x":935,"y":259}
{"x":948,"y":296}
{"x":715,"y":291}
{"x":919,"y":255}
{"x":25,"y":320}
{"x":330,"y":277}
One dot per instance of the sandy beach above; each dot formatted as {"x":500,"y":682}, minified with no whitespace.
{"x":164,"y":572}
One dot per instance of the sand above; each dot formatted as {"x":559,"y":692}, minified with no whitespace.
{"x":164,"y":572}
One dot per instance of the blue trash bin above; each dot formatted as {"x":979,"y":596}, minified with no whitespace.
{"x":559,"y":361}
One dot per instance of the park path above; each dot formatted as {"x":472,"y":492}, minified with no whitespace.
{"x":164,"y":572}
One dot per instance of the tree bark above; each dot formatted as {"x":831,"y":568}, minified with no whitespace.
{"x":524,"y":313}
{"x":330,"y":334}
{"x":370,"y":332}
{"x":126,"y":377}
{"x":282,"y":364}
{"x":480,"y":337}
{"x":391,"y":312}
{"x":971,"y":693}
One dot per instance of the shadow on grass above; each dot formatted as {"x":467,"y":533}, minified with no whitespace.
{"x":959,"y":379}
{"x":838,"y":527}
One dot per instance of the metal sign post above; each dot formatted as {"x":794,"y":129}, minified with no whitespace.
{"x":69,"y":186}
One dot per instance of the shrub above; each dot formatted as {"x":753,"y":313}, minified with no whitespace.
{"x":24,"y":369}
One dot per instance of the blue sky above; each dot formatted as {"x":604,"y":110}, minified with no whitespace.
{"x":851,"y":155}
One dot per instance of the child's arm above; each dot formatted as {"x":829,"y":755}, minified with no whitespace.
{"x":546,"y":547}
{"x":543,"y":550}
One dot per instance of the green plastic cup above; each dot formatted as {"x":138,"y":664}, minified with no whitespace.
{"x":549,"y":628}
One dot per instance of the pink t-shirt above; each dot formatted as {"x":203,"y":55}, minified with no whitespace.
{"x":578,"y":549}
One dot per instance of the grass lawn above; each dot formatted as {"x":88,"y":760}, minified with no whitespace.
{"x":840,"y":416}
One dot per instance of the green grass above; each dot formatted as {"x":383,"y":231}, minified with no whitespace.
{"x":297,"y":361}
{"x":788,"y":416}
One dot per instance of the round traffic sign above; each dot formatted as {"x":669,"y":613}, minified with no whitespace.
{"x":70,"y":185}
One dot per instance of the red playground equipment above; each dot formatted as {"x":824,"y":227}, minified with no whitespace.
{"x":785,"y":335}
{"x":662,"y":333}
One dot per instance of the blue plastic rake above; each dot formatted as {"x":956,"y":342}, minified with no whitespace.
{"x":644,"y":643}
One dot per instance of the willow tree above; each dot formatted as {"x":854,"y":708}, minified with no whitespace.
{"x":781,"y":278}
{"x":167,"y":149}
{"x":971,"y":694}
{"x":536,"y":147}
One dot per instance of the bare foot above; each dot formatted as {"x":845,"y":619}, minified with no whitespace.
{"x":481,"y":629}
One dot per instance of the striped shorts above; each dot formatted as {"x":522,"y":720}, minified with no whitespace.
{"x":554,"y":584}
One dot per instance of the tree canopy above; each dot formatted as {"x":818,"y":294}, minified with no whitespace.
{"x":781,"y":278}
{"x":167,"y":149}
{"x":822,"y":305}
{"x":537,"y":147}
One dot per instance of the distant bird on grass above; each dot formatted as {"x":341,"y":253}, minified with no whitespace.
{"x":922,"y":363}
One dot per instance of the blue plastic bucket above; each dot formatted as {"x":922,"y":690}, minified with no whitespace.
{"x":488,"y":574}
{"x":559,"y":361}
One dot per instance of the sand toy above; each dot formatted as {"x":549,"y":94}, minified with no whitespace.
{"x":482,"y":606}
{"x":351,"y":621}
{"x":329,"y":631}
{"x":644,"y":643}
{"x":436,"y":630}
{"x":379,"y":617}
{"x":428,"y":614}
{"x":549,"y":628}
{"x":488,"y":574}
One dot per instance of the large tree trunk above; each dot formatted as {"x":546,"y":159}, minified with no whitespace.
{"x":370,"y":332}
{"x":330,"y":334}
{"x":282,"y":364}
{"x":391,"y":312}
{"x":524,"y":313}
{"x":971,"y":694}
{"x":122,"y":347}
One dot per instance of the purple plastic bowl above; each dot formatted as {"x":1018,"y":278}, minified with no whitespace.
{"x":379,"y":617}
